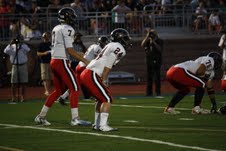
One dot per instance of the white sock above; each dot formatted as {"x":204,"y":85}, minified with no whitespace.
{"x":74,"y":113}
{"x":103,"y":118}
{"x":65,"y":95}
{"x":97,"y":119}
{"x":44,"y":111}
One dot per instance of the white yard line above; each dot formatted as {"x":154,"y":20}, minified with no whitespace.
{"x":9,"y":148}
{"x":111,"y":136}
{"x":137,"y":106}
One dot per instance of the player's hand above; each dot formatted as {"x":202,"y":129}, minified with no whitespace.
{"x":106,"y":83}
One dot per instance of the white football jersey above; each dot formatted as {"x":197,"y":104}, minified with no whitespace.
{"x":109,"y":56}
{"x":221,"y":42}
{"x":193,"y":65}
{"x":62,"y":38}
{"x":91,"y":53}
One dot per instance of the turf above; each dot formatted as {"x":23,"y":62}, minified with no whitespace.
{"x":141,"y":123}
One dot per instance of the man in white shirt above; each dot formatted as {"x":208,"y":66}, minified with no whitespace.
{"x":63,"y":74}
{"x":17,"y":52}
{"x":94,"y":77}
{"x":197,"y":74}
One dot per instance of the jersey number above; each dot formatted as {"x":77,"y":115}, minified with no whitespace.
{"x":208,"y":64}
{"x":54,"y":36}
{"x":117,"y":50}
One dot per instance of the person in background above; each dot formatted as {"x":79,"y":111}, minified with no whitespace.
{"x":197,"y":74}
{"x":120,"y":11}
{"x":95,"y":77}
{"x":17,"y":52}
{"x":214,"y":25}
{"x":153,"y":49}
{"x":63,"y":74}
{"x":44,"y":54}
{"x":79,"y":47}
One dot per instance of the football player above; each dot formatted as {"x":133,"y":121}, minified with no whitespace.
{"x":94,"y":77}
{"x":222,"y":44}
{"x":197,"y":74}
{"x":90,"y":54}
{"x":63,"y":75}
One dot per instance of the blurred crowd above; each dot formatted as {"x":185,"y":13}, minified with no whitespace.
{"x":28,"y":17}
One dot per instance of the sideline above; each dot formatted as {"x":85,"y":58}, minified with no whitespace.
{"x":111,"y":136}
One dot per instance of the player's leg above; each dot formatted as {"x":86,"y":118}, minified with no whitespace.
{"x":94,"y":84}
{"x":68,"y":76}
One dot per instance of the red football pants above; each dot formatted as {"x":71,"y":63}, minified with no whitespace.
{"x":63,"y":79}
{"x":183,"y":80}
{"x":93,"y":83}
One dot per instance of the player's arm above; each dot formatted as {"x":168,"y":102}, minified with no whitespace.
{"x":201,"y":70}
{"x":105,"y":76}
{"x":76,"y":55}
{"x":146,"y":39}
{"x":42,"y":53}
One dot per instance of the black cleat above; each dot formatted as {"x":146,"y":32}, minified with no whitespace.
{"x":62,"y":101}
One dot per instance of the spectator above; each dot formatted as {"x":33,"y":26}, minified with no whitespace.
{"x":17,"y":52}
{"x":53,"y":8}
{"x":63,"y":75}
{"x":166,"y":6}
{"x":214,"y":23}
{"x":79,"y":9}
{"x":16,"y":11}
{"x":153,"y":49}
{"x":4,"y":19}
{"x":119,"y":12}
{"x":197,"y":74}
{"x":94,"y":77}
{"x":201,"y":17}
{"x":44,"y":54}
{"x":99,"y":20}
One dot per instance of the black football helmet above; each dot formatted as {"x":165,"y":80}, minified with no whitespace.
{"x":217,"y":59}
{"x":103,"y":41}
{"x":67,"y":15}
{"x":122,"y":36}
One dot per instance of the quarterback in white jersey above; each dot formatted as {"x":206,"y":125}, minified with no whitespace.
{"x":94,"y":77}
{"x":63,"y":74}
{"x":197,"y":74}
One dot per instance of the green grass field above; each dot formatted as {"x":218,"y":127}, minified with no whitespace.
{"x":141,"y":123}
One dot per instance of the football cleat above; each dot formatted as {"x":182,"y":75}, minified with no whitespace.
{"x":78,"y":122}
{"x":42,"y":121}
{"x":170,"y":110}
{"x":62,"y":101}
{"x":107,"y":128}
{"x":95,"y":127}
{"x":199,"y":110}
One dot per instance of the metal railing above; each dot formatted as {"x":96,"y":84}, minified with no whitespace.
{"x":97,"y":23}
